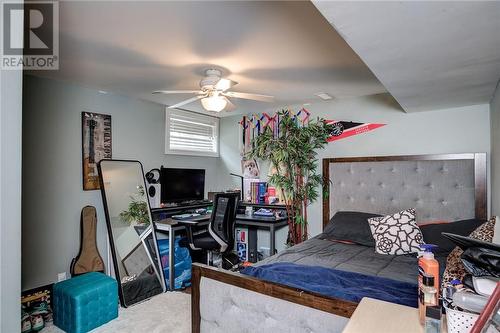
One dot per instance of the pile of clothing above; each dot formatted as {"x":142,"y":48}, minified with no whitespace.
{"x":472,"y":293}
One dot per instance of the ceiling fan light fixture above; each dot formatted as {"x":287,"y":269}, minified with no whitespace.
{"x":214,"y":103}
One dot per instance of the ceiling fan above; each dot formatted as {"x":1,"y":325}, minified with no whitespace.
{"x":214,"y":94}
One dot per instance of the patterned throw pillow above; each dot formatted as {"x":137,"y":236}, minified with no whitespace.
{"x":455,"y":269}
{"x":397,"y":233}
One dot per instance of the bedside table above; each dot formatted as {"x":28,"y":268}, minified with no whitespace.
{"x":376,"y":316}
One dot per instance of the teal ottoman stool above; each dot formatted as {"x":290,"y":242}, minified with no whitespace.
{"x":85,"y":302}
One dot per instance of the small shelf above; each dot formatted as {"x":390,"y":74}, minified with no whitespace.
{"x":261,"y":219}
{"x":268,"y":206}
{"x":179,"y":208}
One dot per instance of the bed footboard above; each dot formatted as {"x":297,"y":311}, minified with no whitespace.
{"x":222,"y":301}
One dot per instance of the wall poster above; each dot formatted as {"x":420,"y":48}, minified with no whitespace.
{"x":96,"y":145}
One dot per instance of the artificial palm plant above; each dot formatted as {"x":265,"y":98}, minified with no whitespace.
{"x":292,"y":151}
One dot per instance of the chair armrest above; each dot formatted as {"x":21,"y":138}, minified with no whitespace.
{"x":189,"y":231}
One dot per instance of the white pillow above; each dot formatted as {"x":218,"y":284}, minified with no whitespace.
{"x":397,"y":233}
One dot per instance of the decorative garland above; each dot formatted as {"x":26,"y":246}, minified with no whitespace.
{"x":255,"y":124}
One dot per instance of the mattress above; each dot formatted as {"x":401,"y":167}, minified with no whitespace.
{"x":320,"y":251}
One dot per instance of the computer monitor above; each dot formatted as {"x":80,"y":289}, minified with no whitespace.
{"x":182,"y":184}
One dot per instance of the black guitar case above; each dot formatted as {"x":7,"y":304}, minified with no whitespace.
{"x":88,"y":259}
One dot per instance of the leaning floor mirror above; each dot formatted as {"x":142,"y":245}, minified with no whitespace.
{"x":133,"y":245}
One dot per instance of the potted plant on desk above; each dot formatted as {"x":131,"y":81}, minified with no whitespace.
{"x":292,"y":151}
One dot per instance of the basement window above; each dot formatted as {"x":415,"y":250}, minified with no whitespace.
{"x":190,"y":133}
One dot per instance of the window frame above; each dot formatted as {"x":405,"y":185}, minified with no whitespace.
{"x":196,"y":116}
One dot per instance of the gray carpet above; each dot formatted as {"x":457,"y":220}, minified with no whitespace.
{"x":168,"y":312}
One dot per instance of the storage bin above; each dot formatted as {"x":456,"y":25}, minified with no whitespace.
{"x":183,"y":263}
{"x":460,"y":321}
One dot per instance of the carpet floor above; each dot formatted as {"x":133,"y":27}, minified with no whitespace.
{"x":168,"y":312}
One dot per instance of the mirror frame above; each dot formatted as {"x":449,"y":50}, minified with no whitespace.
{"x":158,"y":267}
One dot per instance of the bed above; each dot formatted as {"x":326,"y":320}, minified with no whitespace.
{"x":441,"y":187}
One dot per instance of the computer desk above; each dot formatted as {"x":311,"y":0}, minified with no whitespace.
{"x":172,"y":225}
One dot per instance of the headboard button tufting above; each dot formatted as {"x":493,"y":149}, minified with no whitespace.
{"x":440,"y":190}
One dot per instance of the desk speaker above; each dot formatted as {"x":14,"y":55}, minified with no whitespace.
{"x":154,"y":195}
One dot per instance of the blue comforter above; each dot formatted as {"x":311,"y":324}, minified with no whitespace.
{"x":336,"y":283}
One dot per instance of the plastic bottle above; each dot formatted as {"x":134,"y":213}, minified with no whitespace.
{"x":429,"y":267}
{"x":470,"y":301}
{"x":429,"y":291}
{"x":433,"y":319}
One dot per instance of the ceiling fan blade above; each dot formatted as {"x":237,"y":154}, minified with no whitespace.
{"x":255,"y":97}
{"x":187,"y":101}
{"x":225,"y":84}
{"x":177,"y":92}
{"x":230,"y":106}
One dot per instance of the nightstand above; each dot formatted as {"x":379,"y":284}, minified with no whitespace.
{"x":376,"y":316}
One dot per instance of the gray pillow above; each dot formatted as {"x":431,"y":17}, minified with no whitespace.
{"x":351,"y":227}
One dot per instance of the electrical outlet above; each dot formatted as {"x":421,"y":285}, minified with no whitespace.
{"x":61,"y":276}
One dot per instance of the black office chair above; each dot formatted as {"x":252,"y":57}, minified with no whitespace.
{"x":220,"y":234}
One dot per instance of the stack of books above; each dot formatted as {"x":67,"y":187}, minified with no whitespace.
{"x":258,"y":192}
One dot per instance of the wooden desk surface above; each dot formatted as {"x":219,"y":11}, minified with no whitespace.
{"x":376,"y":316}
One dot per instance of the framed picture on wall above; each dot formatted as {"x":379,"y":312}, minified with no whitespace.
{"x":96,"y":145}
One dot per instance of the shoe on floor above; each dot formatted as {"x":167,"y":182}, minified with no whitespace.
{"x":25,"y":321}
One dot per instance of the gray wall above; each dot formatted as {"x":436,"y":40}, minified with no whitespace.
{"x":10,"y":203}
{"x":52,"y":174}
{"x":465,"y":129}
{"x":495,"y":152}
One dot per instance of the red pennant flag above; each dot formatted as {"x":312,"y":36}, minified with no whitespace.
{"x":345,"y":129}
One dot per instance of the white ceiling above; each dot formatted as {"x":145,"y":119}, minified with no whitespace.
{"x":429,"y":55}
{"x":285,"y":49}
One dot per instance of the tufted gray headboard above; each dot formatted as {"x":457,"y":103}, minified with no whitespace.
{"x":440,"y":187}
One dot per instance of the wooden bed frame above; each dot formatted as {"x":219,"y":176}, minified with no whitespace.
{"x":313,"y":300}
